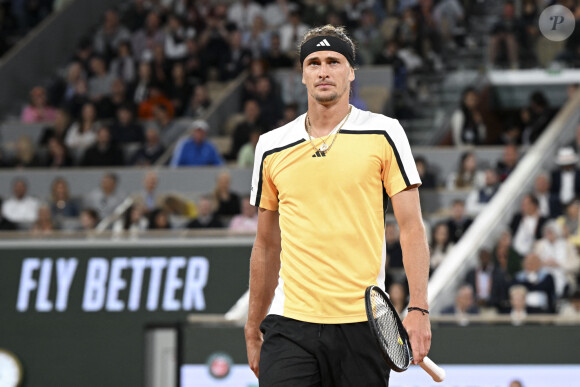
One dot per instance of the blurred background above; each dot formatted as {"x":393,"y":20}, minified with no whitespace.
{"x":127,"y":137}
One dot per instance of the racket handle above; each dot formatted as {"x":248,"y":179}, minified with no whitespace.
{"x":436,"y":372}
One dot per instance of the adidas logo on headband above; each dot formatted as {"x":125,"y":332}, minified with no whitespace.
{"x":323,"y":42}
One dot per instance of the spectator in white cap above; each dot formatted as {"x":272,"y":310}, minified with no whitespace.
{"x":566,"y":179}
{"x":196,"y":150}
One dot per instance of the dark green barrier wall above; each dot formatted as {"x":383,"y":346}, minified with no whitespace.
{"x":91,"y":332}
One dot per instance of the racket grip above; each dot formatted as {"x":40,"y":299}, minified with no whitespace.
{"x":436,"y":372}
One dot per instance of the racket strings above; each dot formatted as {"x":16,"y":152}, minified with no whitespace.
{"x":392,"y":342}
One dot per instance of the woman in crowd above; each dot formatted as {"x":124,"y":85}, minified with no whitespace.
{"x":468,"y":176}
{"x":466,"y":122}
{"x":82,"y":133}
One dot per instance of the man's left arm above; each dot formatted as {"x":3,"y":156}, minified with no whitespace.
{"x":416,"y":261}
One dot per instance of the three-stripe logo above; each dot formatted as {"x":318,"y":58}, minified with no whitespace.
{"x":324,"y":43}
{"x":319,"y":154}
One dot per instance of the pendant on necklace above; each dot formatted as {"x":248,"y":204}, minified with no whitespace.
{"x":323,"y":147}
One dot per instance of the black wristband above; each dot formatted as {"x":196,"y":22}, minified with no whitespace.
{"x":423,"y":311}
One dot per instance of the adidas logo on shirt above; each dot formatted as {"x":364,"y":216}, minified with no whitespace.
{"x":319,"y":154}
{"x":324,"y":43}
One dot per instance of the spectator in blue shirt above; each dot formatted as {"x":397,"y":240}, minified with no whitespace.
{"x":196,"y":150}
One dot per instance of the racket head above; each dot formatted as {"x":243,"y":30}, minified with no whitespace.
{"x":388,"y":329}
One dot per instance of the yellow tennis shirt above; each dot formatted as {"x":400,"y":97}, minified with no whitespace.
{"x":331,"y":212}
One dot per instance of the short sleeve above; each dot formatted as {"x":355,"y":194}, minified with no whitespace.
{"x":263,"y":192}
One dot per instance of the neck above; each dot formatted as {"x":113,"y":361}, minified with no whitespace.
{"x":324,"y":118}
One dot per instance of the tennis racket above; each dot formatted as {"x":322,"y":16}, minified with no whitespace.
{"x":391,"y":335}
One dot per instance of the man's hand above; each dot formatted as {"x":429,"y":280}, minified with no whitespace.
{"x":419,"y":329}
{"x":253,"y":347}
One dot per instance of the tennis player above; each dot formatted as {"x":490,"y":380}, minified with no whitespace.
{"x":318,"y":182}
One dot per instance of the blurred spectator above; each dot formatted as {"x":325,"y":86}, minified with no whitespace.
{"x":175,"y":38}
{"x":398,"y":297}
{"x":20,"y":208}
{"x":213,"y":41}
{"x":159,"y":220}
{"x":196,"y":150}
{"x":449,"y":18}
{"x":535,"y":117}
{"x":106,"y":197}
{"x":104,"y":153}
{"x":247,"y":151}
{"x":195,"y":63}
{"x":440,"y":244}
{"x":134,"y":15}
{"x":428,"y":178}
{"x":559,"y":257}
{"x":292,"y":89}
{"x":169,"y":129}
{"x":38,"y":110}
{"x":5,"y":224}
{"x":58,"y":155}
{"x":316,"y":13}
{"x":247,"y":221}
{"x":393,"y":246}
{"x":467,"y":175}
{"x":57,"y":129}
{"x":123,"y":65}
{"x":125,"y":129}
{"x":110,"y":35}
{"x":154,"y":99}
{"x":101,"y":81}
{"x":133,"y":220}
{"x":518,"y":309}
{"x":241,"y":134}
{"x":276,"y":13}
{"x":199,"y":103}
{"x":107,"y":106}
{"x":25,"y":156}
{"x":226,"y":201}
{"x":541,"y":296}
{"x":275,"y":57}
{"x":466,"y":122}
{"x":236,"y":59}
{"x":89,"y":219}
{"x":270,"y":103}
{"x":489,"y":282}
{"x":179,"y":206}
{"x":243,"y":12}
{"x":458,"y":222}
{"x":147,"y":37}
{"x":572,"y":307}
{"x":148,"y":196}
{"x":526,"y":226}
{"x":289,"y":115}
{"x":62,"y":205}
{"x":479,"y":197}
{"x":389,"y":55}
{"x":257,"y":40}
{"x":464,"y":305}
{"x":83,"y":54}
{"x":505,"y":256}
{"x":44,"y":225}
{"x":179,"y":90}
{"x":82,"y":133}
{"x":80,"y":97}
{"x":509,"y":161}
{"x":143,"y":83}
{"x":63,"y":89}
{"x":160,"y":67}
{"x":368,"y":37}
{"x":506,"y":35}
{"x":569,"y":221}
{"x":565,"y":181}
{"x":291,"y":33}
{"x":206,"y":217}
{"x":151,"y":149}
{"x":542,"y":193}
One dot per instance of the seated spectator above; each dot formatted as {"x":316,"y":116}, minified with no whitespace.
{"x":257,"y":39}
{"x":148,"y":196}
{"x":464,"y":305}
{"x":169,"y":129}
{"x":508,"y":162}
{"x":458,"y":223}
{"x":571,"y":309}
{"x":146,"y":38}
{"x":526,"y":226}
{"x":125,"y":129}
{"x":467,"y":124}
{"x":226,"y":201}
{"x":247,"y":221}
{"x":449,"y":18}
{"x":180,"y":89}
{"x":292,"y":89}
{"x":565,"y":181}
{"x":248,"y":150}
{"x":62,"y":205}
{"x":151,"y":149}
{"x":26,"y":155}
{"x":389,"y":55}
{"x":179,"y":206}
{"x":518,"y":309}
{"x":236,"y":59}
{"x":44,"y":225}
{"x":206,"y":217}
{"x":289,"y":115}
{"x":199,"y":103}
{"x":110,"y":35}
{"x":89,"y":219}
{"x":440,"y":244}
{"x":76,"y":102}
{"x":393,"y":246}
{"x":133,"y":220}
{"x":38,"y":110}
{"x":242,"y":130}
{"x":5,"y":224}
{"x":177,"y":31}
{"x":123,"y":65}
{"x":548,"y":205}
{"x":57,"y":129}
{"x":291,"y":32}
{"x":506,"y":33}
{"x":63,"y":89}
{"x":195,"y":63}
{"x":83,"y":132}
{"x":398,"y":297}
{"x":535,"y":118}
{"x":104,"y":153}
{"x":140,"y":89}
{"x":275,"y":57}
{"x":108,"y":105}
{"x":160,"y":68}
{"x":368,"y":37}
{"x":196,"y":150}
{"x":270,"y":103}
{"x":106,"y":197}
{"x":20,"y":208}
{"x":478,"y":198}
{"x":559,"y":257}
{"x":316,"y":13}
{"x":428,"y":178}
{"x":569,"y":222}
{"x":135,"y":14}
{"x":155,"y":98}
{"x":489,"y":282}
{"x":468,"y":176}
{"x":159,"y":220}
{"x":541,"y":296}
{"x":101,"y":81}
{"x":58,"y":155}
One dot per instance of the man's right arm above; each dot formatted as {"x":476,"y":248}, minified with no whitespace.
{"x":264,"y":269}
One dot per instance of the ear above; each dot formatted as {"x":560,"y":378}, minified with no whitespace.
{"x":303,"y":81}
{"x":351,"y":76}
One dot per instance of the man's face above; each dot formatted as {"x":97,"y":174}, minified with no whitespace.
{"x":327,"y":76}
{"x":19,"y":189}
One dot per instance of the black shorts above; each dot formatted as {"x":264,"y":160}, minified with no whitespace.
{"x":301,"y":354}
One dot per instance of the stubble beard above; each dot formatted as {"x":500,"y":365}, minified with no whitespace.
{"x":332,"y":97}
